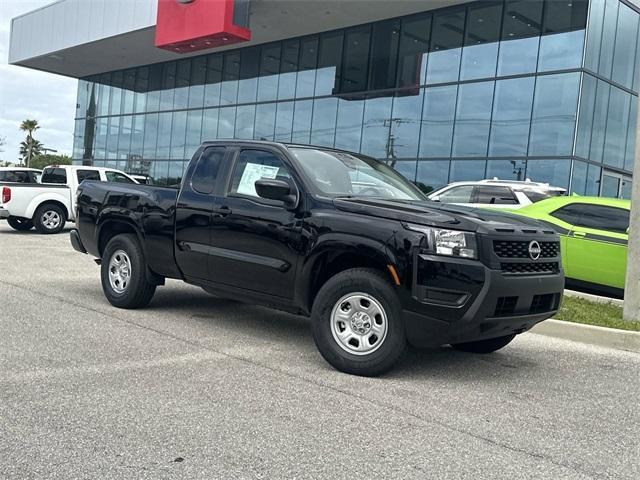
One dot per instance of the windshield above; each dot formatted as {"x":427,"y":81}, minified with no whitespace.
{"x":341,"y":174}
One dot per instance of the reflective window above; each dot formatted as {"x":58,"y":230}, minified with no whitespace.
{"x":284,"y":122}
{"x":355,"y":59}
{"x":150,"y":135}
{"x":265,"y":121}
{"x":249,"y":68}
{"x":608,"y":38}
{"x":629,"y":158}
{"x":269,"y":70}
{"x":128,"y":94}
{"x":168,"y":86}
{"x":413,"y":50}
{"x":406,"y":168}
{"x":511,"y":117}
{"x":375,"y":129}
{"x":183,"y":72}
{"x":554,"y":114}
{"x":251,"y":162}
{"x":178,"y":134}
{"x":593,"y":180}
{"x":306,"y":79}
{"x":563,"y":35}
{"x":463,"y":170}
{"x":520,"y":37}
{"x":141,"y":89}
{"x":405,"y":126}
{"x":596,"y":149}
{"x":625,"y":47}
{"x":437,"y":121}
{"x":329,"y":63}
{"x":323,"y":126}
{"x":506,"y":169}
{"x":446,"y":46}
{"x":554,"y":172}
{"x":230,"y":76}
{"x":432,"y":175}
{"x":617,"y":122}
{"x":194,"y":132}
{"x":288,"y":69}
{"x":594,"y":34}
{"x":480,"y":52}
{"x":473,"y":119}
{"x":226,"y":122}
{"x":155,"y":88}
{"x":245,"y":119}
{"x":301,"y":132}
{"x":585,"y":115}
{"x":196,"y":82}
{"x":384,"y":55}
{"x":349,"y":124}
{"x":83,"y":175}
{"x":210,"y":124}
{"x":214,"y":79}
{"x":626,"y":189}
{"x":579,"y":178}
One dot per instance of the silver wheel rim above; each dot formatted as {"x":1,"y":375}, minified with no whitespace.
{"x":359,"y":323}
{"x":119,"y":271}
{"x":51,"y":219}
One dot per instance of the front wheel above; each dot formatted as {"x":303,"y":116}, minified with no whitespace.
{"x":484,"y":346}
{"x":49,"y":218}
{"x":357,"y":323}
{"x":123,"y":273}
{"x":20,"y":224}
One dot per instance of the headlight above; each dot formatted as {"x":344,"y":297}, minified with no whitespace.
{"x":453,"y":243}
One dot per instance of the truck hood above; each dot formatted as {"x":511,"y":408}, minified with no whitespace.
{"x":436,"y":214}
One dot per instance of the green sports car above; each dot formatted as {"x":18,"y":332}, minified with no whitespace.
{"x":594,"y":235}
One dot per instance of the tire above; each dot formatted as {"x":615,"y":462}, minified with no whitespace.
{"x":340,"y":336}
{"x":49,"y":218}
{"x":20,"y":224}
{"x":123,"y":273}
{"x":484,"y":346}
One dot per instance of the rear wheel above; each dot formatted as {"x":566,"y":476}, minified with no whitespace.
{"x":49,"y":218}
{"x":20,"y":224}
{"x":484,"y":346}
{"x":124,"y":273}
{"x":357,"y":323}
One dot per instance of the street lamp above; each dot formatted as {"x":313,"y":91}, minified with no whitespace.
{"x":45,"y":150}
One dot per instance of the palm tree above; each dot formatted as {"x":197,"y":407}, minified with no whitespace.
{"x":30,"y":149}
{"x":29,"y":126}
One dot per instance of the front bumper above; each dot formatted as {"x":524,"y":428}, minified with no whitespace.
{"x":485,"y":303}
{"x":4,"y":213}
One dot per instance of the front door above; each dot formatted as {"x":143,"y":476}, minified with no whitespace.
{"x":255,"y":241}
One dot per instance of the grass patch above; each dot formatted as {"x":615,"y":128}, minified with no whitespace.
{"x":579,"y":310}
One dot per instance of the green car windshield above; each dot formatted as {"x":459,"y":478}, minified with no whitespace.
{"x":341,"y":174}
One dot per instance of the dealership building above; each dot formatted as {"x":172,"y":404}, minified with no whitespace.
{"x":443,"y":90}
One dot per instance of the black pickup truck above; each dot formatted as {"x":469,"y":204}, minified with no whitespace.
{"x":330,"y":234}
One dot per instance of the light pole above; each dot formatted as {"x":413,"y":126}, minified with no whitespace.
{"x":45,"y":150}
{"x":632,"y":282}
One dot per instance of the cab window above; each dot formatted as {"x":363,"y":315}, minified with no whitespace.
{"x":87,"y":175}
{"x":461,"y":194}
{"x":253,"y":165}
{"x":117,"y":177}
{"x":494,"y":195}
{"x":54,"y":175}
{"x":207,"y":169}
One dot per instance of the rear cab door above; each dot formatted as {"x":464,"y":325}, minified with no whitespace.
{"x":199,"y":193}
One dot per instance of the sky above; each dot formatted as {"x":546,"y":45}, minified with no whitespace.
{"x":30,"y":94}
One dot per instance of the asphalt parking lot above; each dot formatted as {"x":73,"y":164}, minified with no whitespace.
{"x":198,"y":387}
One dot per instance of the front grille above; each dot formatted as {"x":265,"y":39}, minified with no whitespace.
{"x":520,"y":249}
{"x":530,"y":268}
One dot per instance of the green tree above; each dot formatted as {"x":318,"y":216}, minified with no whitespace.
{"x":29,"y":126}
{"x":29,"y":150}
{"x":41,"y":161}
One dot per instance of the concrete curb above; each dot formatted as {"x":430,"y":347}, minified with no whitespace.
{"x":589,"y":334}
{"x":594,"y":298}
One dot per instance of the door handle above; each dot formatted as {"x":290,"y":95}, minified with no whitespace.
{"x":222,"y":211}
{"x":579,"y":234}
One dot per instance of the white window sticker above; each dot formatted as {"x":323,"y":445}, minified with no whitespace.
{"x":252,"y":173}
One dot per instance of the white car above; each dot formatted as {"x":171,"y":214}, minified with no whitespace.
{"x":495,"y":193}
{"x":51,"y":203}
{"x":19,"y":175}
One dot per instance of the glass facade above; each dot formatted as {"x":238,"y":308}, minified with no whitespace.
{"x":515,"y":89}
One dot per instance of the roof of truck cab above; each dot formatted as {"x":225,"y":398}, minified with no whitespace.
{"x":19,"y":169}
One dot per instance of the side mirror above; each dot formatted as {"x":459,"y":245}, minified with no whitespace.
{"x":275,"y":190}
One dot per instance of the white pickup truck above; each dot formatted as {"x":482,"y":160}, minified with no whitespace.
{"x":49,"y":204}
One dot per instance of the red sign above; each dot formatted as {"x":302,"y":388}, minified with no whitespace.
{"x":190,"y":25}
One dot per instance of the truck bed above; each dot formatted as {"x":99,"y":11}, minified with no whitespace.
{"x":150,"y":208}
